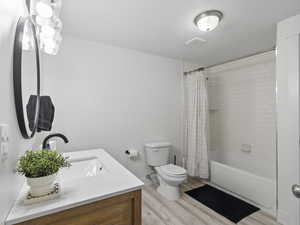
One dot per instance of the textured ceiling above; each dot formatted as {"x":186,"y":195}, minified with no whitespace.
{"x":163,"y":26}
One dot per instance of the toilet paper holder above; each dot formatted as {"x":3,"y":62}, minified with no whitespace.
{"x":132,"y":153}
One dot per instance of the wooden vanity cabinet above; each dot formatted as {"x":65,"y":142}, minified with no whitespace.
{"x":124,"y":209}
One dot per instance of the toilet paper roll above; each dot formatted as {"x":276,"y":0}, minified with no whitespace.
{"x":133,"y":153}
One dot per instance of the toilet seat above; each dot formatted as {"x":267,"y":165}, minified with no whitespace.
{"x":173,"y":170}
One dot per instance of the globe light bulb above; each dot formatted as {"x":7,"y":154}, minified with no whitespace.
{"x":49,"y":42}
{"x":41,"y":21}
{"x":47,"y":31}
{"x":50,"y":46}
{"x":44,"y":10}
{"x":57,"y":24}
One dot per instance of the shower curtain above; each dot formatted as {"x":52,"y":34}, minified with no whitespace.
{"x":196,"y":125}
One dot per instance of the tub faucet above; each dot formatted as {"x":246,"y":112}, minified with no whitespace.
{"x":45,"y":142}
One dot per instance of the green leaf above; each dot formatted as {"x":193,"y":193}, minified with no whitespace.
{"x":41,"y":163}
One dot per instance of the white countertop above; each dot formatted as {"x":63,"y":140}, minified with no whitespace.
{"x":114,"y":180}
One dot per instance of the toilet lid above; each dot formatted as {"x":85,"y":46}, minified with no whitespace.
{"x":173,"y":169}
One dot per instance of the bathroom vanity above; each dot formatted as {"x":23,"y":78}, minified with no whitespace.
{"x":96,"y":190}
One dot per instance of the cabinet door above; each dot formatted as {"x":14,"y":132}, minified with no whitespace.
{"x":123,"y":209}
{"x":117,"y":214}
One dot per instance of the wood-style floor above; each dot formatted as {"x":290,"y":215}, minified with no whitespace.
{"x":186,"y":211}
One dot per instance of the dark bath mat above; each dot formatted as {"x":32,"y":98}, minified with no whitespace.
{"x":227,"y":205}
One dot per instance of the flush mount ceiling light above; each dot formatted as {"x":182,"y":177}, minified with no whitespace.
{"x":208,"y":20}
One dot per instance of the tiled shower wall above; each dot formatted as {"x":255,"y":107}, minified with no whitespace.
{"x":242,"y":114}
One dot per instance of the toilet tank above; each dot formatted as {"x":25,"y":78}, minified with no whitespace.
{"x":157,"y":153}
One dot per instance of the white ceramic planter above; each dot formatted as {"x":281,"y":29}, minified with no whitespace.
{"x":42,"y":185}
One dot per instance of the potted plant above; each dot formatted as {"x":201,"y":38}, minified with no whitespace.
{"x":40,"y":169}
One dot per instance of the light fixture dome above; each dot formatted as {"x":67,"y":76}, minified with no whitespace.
{"x":208,"y":20}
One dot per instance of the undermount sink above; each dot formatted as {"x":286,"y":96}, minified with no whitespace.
{"x":83,"y":167}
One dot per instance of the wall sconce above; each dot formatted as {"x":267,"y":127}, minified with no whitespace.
{"x":45,"y":15}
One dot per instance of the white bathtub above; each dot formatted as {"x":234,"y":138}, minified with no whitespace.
{"x":259,"y":190}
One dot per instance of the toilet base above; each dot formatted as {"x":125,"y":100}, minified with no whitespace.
{"x":169,"y":192}
{"x":169,"y":185}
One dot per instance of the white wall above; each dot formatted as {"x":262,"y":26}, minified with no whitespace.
{"x":242,"y":96}
{"x":112,"y":97}
{"x":9,"y":182}
{"x":287,"y":74}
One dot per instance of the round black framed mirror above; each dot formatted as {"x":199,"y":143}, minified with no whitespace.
{"x":26,"y":77}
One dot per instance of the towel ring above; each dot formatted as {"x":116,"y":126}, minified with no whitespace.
{"x":17,"y":76}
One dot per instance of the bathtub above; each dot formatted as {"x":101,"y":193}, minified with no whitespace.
{"x":258,"y":190}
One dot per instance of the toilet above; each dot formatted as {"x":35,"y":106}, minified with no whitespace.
{"x":169,"y":175}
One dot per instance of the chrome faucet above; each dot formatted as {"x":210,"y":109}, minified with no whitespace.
{"x":45,"y":142}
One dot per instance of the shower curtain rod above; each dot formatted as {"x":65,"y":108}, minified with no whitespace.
{"x":195,"y":70}
{"x":246,"y":56}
